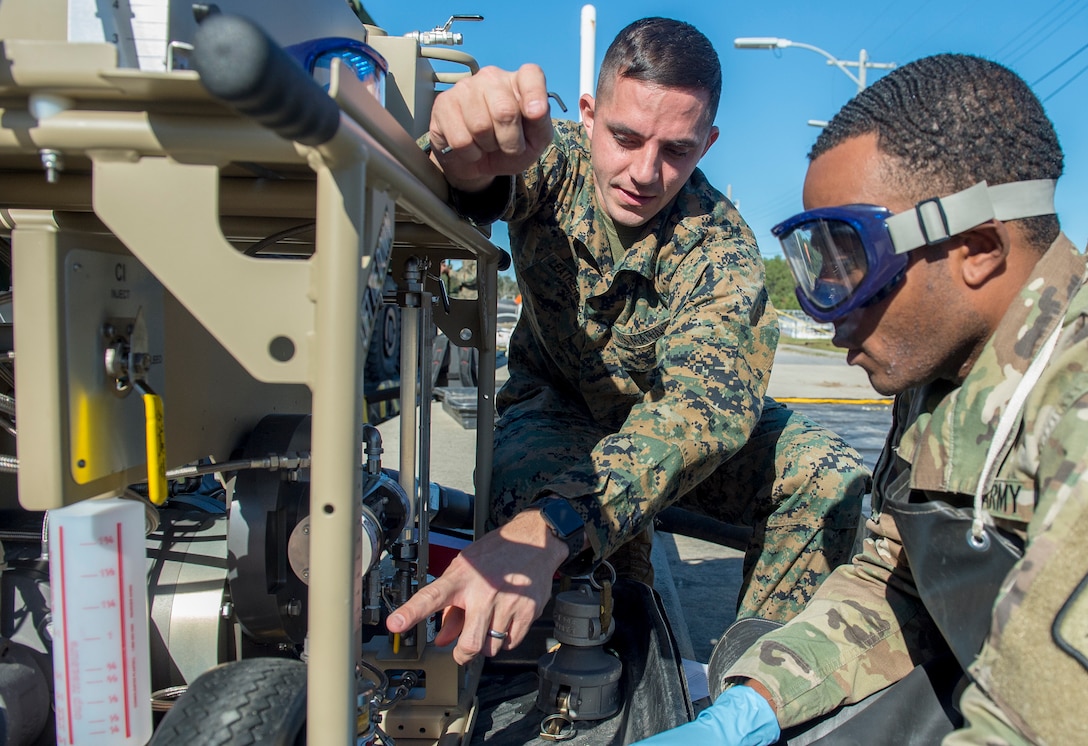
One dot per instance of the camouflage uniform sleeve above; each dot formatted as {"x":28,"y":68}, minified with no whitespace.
{"x":463,"y":282}
{"x":853,"y":639}
{"x":538,"y":184}
{"x":529,"y":368}
{"x":712,"y":363}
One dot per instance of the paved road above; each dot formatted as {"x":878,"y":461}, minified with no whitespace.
{"x":707,"y":577}
{"x":799,"y":372}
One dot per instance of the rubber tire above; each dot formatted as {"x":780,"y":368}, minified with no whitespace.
{"x":253,"y":701}
{"x":440,"y":361}
{"x":468,"y":366}
{"x":383,"y":356}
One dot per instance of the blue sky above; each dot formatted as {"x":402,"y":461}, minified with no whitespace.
{"x":769,"y":96}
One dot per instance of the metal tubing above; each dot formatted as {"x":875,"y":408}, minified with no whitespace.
{"x":131,"y":150}
{"x":587,"y":62}
{"x":487,"y":272}
{"x":356,"y":101}
{"x":36,"y":263}
{"x":336,"y":474}
{"x":412,"y":194}
{"x":425,"y":397}
{"x":409,"y":392}
{"x":257,"y":201}
{"x":187,"y":139}
{"x":451,"y":55}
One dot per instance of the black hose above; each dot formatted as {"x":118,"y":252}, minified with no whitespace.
{"x":676,"y":520}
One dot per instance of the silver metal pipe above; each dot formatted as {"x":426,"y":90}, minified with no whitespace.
{"x":425,"y":397}
{"x":272,"y":462}
{"x":409,"y":393}
{"x":7,"y":404}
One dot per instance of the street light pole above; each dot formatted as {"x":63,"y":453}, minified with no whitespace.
{"x":863,"y":64}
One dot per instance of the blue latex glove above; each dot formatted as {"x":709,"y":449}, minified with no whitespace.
{"x":739,"y":717}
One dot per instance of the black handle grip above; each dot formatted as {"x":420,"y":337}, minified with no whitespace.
{"x":241,"y":64}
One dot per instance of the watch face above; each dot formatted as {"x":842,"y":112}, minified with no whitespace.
{"x":562,"y":517}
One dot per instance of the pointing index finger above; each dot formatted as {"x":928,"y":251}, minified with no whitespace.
{"x":425,"y":602}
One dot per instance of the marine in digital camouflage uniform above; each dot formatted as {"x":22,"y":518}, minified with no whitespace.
{"x":637,"y":380}
{"x":868,"y":626}
{"x":641,"y":358}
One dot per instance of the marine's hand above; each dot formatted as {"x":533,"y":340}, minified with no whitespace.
{"x":500,"y":582}
{"x":490,"y":124}
{"x":739,"y":717}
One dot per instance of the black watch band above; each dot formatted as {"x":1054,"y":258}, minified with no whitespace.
{"x":567,"y":524}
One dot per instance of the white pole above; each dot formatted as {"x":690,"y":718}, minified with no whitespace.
{"x":589,"y":37}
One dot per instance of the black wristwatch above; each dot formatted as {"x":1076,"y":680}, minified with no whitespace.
{"x":567,"y":524}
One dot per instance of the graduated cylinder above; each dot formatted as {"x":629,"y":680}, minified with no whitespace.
{"x":101,"y":666}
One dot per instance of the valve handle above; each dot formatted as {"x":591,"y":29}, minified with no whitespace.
{"x":155,"y":438}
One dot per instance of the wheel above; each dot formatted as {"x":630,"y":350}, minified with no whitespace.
{"x":253,"y":701}
{"x":440,"y":361}
{"x":383,"y":355}
{"x":468,"y":366}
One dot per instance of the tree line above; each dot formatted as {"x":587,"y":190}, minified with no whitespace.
{"x":780,"y":284}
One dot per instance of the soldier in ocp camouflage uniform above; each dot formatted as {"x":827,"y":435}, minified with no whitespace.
{"x":461,"y":281}
{"x":974,"y":573}
{"x":640,"y":362}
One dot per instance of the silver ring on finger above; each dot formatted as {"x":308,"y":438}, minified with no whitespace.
{"x":496,"y":634}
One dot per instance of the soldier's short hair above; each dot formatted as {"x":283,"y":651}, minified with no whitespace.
{"x":952,"y":120}
{"x":664,"y":52}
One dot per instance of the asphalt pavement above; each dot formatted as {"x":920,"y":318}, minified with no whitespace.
{"x":698,"y":580}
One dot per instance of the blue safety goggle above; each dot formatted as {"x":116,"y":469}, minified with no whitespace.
{"x":316,"y":57}
{"x":842,"y":258}
{"x":852,"y":256}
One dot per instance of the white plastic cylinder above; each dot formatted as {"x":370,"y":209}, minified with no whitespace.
{"x":587,"y":62}
{"x":101,"y":667}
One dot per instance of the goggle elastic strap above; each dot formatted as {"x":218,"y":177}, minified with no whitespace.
{"x":938,"y":218}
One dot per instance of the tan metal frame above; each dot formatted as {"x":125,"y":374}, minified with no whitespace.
{"x":148,"y":174}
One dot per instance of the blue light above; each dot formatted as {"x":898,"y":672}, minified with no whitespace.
{"x":316,"y":57}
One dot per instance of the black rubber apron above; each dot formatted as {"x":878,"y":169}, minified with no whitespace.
{"x":957,"y":558}
{"x":957,"y":576}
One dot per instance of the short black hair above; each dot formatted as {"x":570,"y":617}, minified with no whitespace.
{"x":664,"y":52}
{"x":953,"y":120}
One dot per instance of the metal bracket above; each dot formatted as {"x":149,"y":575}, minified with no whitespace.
{"x":187,"y":250}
